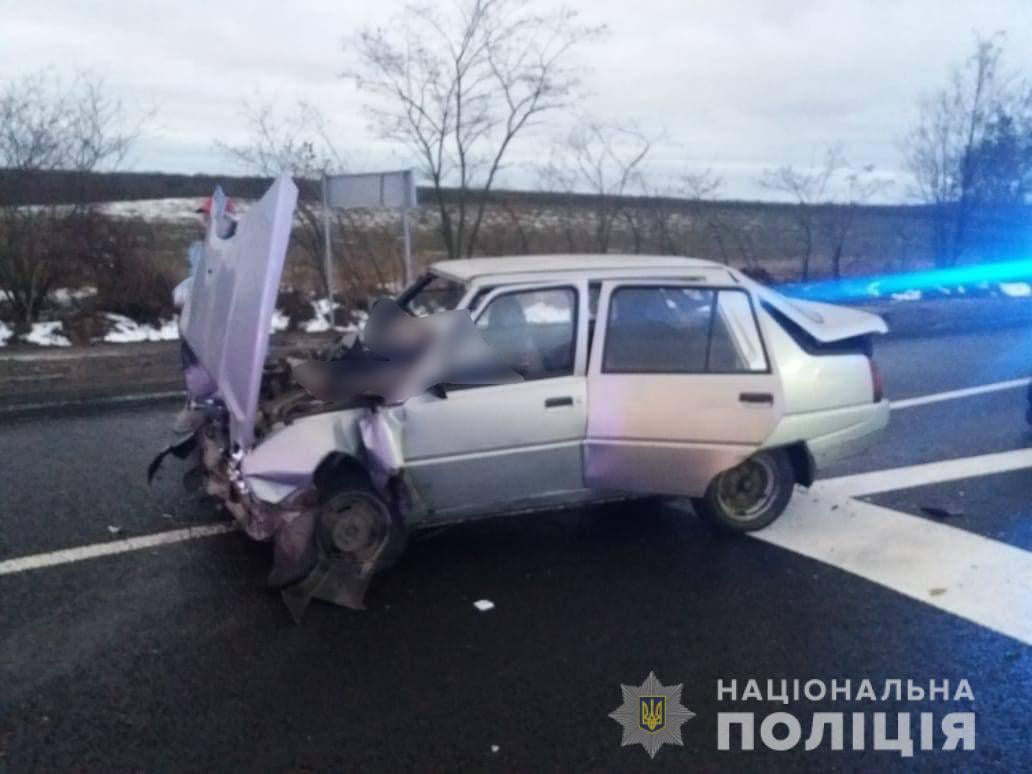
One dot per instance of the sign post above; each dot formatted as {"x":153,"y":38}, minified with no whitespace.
{"x":372,"y":189}
{"x":327,"y":251}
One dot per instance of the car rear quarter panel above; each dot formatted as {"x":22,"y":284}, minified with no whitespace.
{"x":828,"y":399}
{"x":816,"y":382}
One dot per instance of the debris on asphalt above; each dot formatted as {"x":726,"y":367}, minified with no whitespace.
{"x":495,"y":748}
{"x":483,"y":605}
{"x":114,"y":530}
{"x":940,"y":513}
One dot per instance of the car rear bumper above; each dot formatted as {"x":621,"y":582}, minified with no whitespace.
{"x":832,"y":434}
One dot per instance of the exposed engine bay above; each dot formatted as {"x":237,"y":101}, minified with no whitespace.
{"x":329,"y":493}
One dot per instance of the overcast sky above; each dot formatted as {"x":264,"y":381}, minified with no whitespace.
{"x":737,"y":85}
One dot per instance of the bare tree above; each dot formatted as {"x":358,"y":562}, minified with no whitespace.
{"x":295,"y":140}
{"x":861,"y":185}
{"x":605,"y":161}
{"x":674,"y":212}
{"x":49,"y":125}
{"x":458,"y":87}
{"x":807,"y":187}
{"x":943,"y":152}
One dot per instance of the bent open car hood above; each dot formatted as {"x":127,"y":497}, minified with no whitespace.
{"x":228,"y":313}
{"x":825,"y":322}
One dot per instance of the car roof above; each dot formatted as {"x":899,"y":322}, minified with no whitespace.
{"x":469,"y":269}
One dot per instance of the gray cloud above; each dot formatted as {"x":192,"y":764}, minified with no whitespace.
{"x":737,"y":85}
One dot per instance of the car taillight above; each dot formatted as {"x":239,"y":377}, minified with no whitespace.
{"x":876,"y":380}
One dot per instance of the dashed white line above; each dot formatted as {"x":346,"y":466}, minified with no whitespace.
{"x":80,"y":553}
{"x":937,"y":397}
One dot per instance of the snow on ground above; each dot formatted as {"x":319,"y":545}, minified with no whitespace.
{"x":1015,"y":289}
{"x":320,"y":323}
{"x":280,"y":322}
{"x":48,"y":334}
{"x":65,"y":296}
{"x":163,"y":210}
{"x":317,"y":324}
{"x":125,"y":330}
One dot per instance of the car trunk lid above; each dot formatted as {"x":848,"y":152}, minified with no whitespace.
{"x":825,"y":322}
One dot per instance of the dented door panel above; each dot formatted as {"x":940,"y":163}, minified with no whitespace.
{"x":490,"y":446}
{"x":508,"y":444}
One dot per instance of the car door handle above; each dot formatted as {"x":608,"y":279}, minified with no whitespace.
{"x":756,"y":397}
{"x":566,"y":400}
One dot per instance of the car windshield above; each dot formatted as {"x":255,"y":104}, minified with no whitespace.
{"x":431,"y":293}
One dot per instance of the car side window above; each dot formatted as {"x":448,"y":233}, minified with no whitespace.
{"x":735,"y":344}
{"x":534,"y":331}
{"x":681,"y":330}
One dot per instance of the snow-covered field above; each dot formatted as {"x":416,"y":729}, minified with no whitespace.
{"x":183,"y":210}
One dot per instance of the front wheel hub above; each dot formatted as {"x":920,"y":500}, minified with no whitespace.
{"x":356,"y":525}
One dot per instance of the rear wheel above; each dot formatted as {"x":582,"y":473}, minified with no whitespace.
{"x":750,"y":495}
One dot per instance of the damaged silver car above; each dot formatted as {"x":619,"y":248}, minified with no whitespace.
{"x":503,"y":385}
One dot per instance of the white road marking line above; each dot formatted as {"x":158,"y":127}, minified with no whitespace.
{"x":926,"y":473}
{"x":80,"y":553}
{"x":979,"y":579}
{"x":112,"y":400}
{"x":936,"y":397}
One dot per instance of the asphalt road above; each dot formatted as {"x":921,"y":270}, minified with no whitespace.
{"x":176,"y":658}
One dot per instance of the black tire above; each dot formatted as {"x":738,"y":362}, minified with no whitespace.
{"x":387,"y":535}
{"x":748,"y":496}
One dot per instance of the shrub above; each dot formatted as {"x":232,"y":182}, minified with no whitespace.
{"x":130,"y":278}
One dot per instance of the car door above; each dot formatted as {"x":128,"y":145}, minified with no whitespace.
{"x":481,"y":448}
{"x":680,"y":387}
